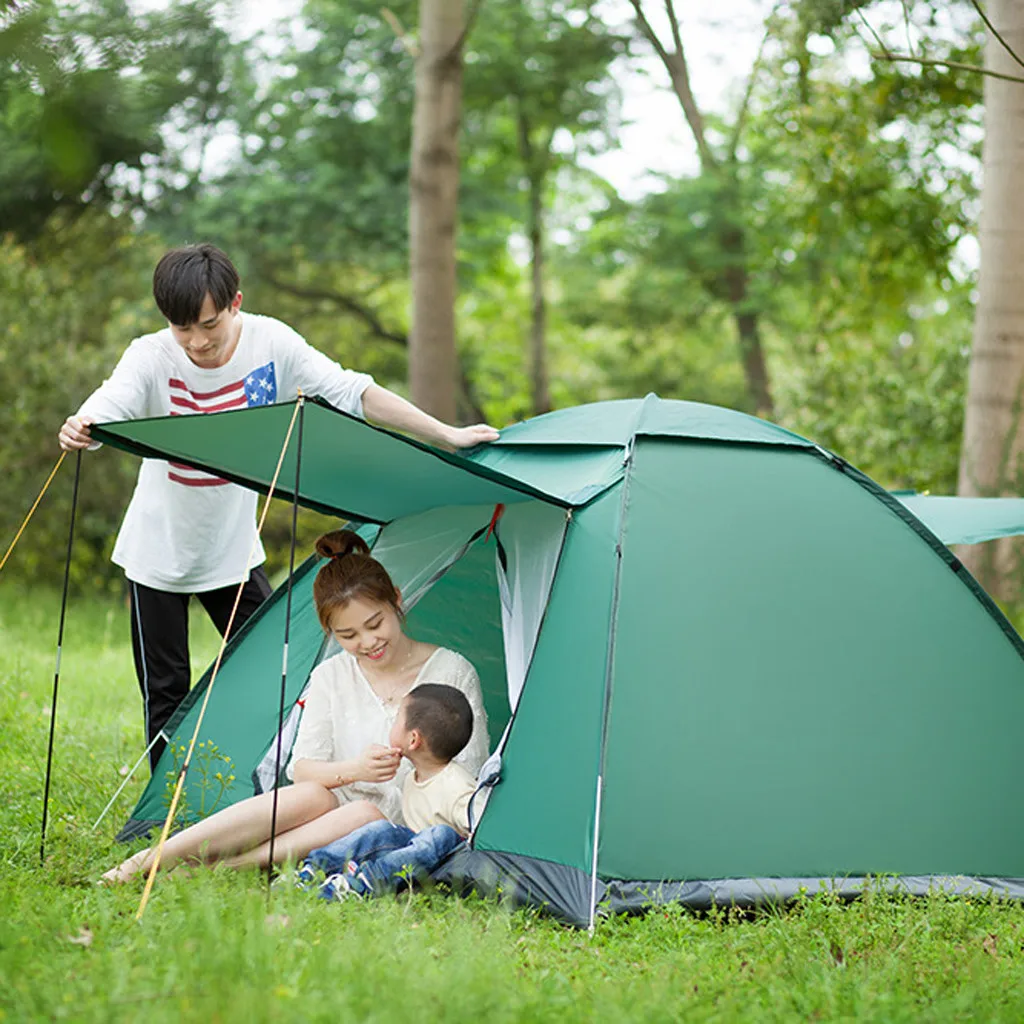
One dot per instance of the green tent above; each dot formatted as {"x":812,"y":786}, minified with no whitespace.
{"x":720,"y":663}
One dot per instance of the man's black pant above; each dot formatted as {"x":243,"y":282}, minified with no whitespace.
{"x":160,"y":643}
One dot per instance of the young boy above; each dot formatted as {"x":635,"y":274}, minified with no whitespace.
{"x":188,"y":532}
{"x":434,"y":723}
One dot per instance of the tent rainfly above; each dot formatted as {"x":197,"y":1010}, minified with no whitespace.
{"x":720,"y":663}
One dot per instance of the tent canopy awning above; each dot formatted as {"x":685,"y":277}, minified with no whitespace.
{"x":349,"y":468}
{"x":359,"y":471}
{"x":353,"y":469}
{"x":967,"y":520}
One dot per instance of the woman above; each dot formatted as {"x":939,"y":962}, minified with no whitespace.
{"x":344,"y":772}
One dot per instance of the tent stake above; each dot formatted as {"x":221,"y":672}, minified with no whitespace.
{"x":60,"y":643}
{"x":284,"y":656}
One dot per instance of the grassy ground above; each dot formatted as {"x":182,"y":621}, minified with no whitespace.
{"x":212,"y":948}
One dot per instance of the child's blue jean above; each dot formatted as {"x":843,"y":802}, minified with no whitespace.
{"x":388,"y":855}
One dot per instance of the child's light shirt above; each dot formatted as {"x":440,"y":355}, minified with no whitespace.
{"x":186,"y":531}
{"x":442,"y":800}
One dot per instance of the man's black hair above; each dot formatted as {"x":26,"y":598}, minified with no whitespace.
{"x":442,"y":716}
{"x":184,"y":276}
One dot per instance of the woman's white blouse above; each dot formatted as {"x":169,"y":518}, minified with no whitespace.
{"x":343,"y":716}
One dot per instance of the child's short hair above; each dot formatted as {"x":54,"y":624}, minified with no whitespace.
{"x":184,"y":276}
{"x":442,"y":716}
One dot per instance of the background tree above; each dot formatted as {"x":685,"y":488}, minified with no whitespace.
{"x":992,"y":462}
{"x":86,"y":94}
{"x":433,"y":205}
{"x":318,"y":197}
{"x":727,"y":277}
{"x":315,"y":201}
{"x":537,"y":70}
{"x":852,"y":211}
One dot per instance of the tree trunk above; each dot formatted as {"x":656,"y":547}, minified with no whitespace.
{"x":433,"y":207}
{"x":736,"y":281}
{"x":538,"y":307}
{"x":991,"y":461}
{"x":732,"y":282}
{"x":534,"y":164}
{"x":753,"y":362}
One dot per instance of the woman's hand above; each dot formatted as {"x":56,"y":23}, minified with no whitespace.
{"x":377,"y":763}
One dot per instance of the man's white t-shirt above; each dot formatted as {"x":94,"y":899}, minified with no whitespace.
{"x":186,"y":531}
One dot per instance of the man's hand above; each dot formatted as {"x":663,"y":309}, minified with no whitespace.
{"x":75,"y":433}
{"x":391,"y":410}
{"x":467,"y":437}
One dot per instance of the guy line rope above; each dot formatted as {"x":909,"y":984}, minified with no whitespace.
{"x":35,"y":505}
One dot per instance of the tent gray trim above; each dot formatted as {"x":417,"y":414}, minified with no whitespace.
{"x":633,"y":897}
{"x":561,"y":891}
{"x":564,"y":892}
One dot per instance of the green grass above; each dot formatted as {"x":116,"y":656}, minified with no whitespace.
{"x":210,"y":947}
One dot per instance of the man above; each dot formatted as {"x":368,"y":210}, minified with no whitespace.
{"x":187,"y":532}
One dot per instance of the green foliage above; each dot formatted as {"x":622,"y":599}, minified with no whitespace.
{"x":874,"y":186}
{"x":211,"y":772}
{"x":888,"y":396}
{"x":211,"y":947}
{"x":84,"y":92}
{"x":861,"y":206}
{"x":316,"y":205}
{"x":532,"y":71}
{"x":325,"y":152}
{"x":69,"y":308}
{"x":850,"y":195}
{"x":70,"y":304}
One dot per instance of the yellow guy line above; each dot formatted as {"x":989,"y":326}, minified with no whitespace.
{"x":35,"y":505}
{"x":213,"y":678}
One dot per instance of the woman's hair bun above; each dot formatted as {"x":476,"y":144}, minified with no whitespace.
{"x":350,"y":573}
{"x":340,"y":543}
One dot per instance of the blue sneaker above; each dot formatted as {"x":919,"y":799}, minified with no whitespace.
{"x":303,"y":877}
{"x":336,"y":887}
{"x":358,"y":881}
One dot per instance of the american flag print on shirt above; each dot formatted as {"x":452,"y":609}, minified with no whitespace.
{"x":258,"y":387}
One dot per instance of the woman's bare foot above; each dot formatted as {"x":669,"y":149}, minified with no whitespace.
{"x":126,"y":870}
{"x":187,"y":868}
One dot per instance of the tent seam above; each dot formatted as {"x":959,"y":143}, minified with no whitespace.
{"x":627,"y":479}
